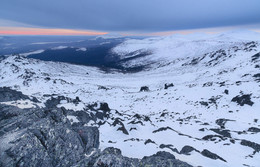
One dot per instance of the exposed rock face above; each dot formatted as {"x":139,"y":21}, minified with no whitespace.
{"x":43,"y":137}
{"x":7,"y":94}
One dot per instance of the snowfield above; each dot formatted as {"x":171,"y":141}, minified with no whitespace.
{"x":200,"y":97}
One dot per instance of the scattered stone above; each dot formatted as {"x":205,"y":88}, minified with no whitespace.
{"x":226,"y":91}
{"x":136,"y":122}
{"x":169,"y":146}
{"x":211,"y":155}
{"x":187,"y":149}
{"x":255,"y":57}
{"x":144,"y":89}
{"x":244,"y":99}
{"x":103,"y":87}
{"x":162,"y":159}
{"x":104,"y":107}
{"x":166,"y":86}
{"x":202,"y":129}
{"x":47,"y":78}
{"x":149,"y":141}
{"x":254,"y":129}
{"x":212,"y":137}
{"x":222,"y":121}
{"x":122,"y":126}
{"x":208,"y":84}
{"x":162,"y":129}
{"x":132,"y":129}
{"x":257,"y":76}
{"x":222,"y":132}
{"x":253,"y":145}
{"x":204,"y":103}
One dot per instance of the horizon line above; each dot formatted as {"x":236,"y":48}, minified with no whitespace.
{"x":47,"y":31}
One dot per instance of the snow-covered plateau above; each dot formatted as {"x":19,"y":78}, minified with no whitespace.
{"x":197,"y":97}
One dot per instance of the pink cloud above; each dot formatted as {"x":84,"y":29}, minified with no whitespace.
{"x":44,"y":31}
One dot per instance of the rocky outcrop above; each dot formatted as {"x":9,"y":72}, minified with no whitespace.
{"x":7,"y":94}
{"x":40,"y":137}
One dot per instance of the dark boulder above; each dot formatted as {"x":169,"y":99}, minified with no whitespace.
{"x":76,"y":100}
{"x":226,"y":91}
{"x":166,"y":86}
{"x":162,"y":129}
{"x":144,"y":89}
{"x":169,"y":146}
{"x":122,"y":126}
{"x":149,"y":141}
{"x":255,"y":57}
{"x":251,"y":144}
{"x":222,"y":121}
{"x":187,"y":149}
{"x":254,"y":129}
{"x":223,"y":132}
{"x":104,"y":107}
{"x":257,"y":77}
{"x":211,"y":155}
{"x":244,"y":99}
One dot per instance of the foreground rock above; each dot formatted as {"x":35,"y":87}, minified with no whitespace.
{"x":44,"y":137}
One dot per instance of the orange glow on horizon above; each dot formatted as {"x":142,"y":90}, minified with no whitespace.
{"x":43,"y":31}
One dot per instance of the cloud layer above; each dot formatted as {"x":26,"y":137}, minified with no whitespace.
{"x":131,"y":15}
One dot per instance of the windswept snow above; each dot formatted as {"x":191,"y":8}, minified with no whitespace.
{"x":59,"y":47}
{"x":23,"y":104}
{"x":34,"y":52}
{"x":203,"y":93}
{"x":81,"y":49}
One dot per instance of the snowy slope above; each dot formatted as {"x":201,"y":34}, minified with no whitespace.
{"x":165,"y":49}
{"x":209,"y":116}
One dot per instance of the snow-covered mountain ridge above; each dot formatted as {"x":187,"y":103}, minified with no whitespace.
{"x":199,"y":98}
{"x":165,"y":49}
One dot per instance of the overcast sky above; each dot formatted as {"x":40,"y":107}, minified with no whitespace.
{"x":130,"y":15}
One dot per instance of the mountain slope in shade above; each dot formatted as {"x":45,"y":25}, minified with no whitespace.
{"x":198,"y":98}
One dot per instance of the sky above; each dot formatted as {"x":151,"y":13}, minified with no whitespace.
{"x":98,"y":17}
